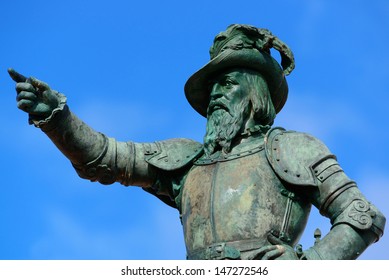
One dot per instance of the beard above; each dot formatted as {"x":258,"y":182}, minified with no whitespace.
{"x":225,"y":122}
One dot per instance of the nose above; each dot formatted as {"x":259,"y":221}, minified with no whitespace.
{"x":216,"y":92}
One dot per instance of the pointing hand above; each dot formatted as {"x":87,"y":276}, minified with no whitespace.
{"x":33,"y":96}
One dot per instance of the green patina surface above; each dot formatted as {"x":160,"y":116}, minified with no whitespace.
{"x":247,"y":191}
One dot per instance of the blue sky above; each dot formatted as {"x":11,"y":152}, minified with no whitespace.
{"x":123,"y":65}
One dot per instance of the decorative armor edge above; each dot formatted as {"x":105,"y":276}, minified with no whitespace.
{"x":173,"y":154}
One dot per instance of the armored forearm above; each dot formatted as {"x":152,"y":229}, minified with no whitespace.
{"x":356,"y":223}
{"x":93,"y":155}
{"x":76,"y":140}
{"x":350,"y":235}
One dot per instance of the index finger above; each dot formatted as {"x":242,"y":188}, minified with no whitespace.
{"x":17,"y":77}
{"x":261,"y":252}
{"x":273,"y":239}
{"x":39,"y":84}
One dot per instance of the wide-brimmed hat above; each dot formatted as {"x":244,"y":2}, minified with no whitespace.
{"x":248,"y":47}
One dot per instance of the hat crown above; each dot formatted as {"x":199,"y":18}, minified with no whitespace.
{"x":246,"y":47}
{"x":239,"y":36}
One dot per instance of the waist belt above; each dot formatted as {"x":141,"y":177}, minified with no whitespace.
{"x":225,"y":250}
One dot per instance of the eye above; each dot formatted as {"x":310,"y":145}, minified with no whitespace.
{"x":228,"y":82}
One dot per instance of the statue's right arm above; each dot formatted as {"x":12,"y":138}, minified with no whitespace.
{"x":94,"y":156}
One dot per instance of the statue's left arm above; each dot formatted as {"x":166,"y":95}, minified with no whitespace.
{"x":356,"y":223}
{"x":305,"y":163}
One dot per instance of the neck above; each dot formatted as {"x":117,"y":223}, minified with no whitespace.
{"x":251,"y":133}
{"x":252,"y":139}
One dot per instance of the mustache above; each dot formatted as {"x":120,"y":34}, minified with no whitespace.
{"x":216,"y":105}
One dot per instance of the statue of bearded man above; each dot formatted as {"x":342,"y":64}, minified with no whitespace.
{"x":239,"y":102}
{"x":246,"y":193}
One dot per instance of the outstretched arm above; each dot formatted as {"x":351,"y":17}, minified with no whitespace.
{"x":47,"y":110}
{"x":94,"y":156}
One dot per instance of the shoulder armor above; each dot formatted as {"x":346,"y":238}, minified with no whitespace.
{"x":294,"y":155}
{"x":173,"y":154}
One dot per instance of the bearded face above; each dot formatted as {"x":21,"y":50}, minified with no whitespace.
{"x":225,"y":122}
{"x":231,"y":107}
{"x":227,"y":112}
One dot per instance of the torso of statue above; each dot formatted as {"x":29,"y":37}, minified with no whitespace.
{"x":237,"y":199}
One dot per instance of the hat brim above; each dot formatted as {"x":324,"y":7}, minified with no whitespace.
{"x":197,"y":89}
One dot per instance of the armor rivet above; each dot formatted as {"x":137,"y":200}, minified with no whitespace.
{"x":286,"y":170}
{"x":321,"y":177}
{"x":275,"y":149}
{"x":316,"y":171}
{"x":238,"y":155}
{"x":166,"y":160}
{"x":298,"y":175}
{"x":187,"y":156}
{"x":276,"y":139}
{"x":277,"y":159}
{"x":177,"y":160}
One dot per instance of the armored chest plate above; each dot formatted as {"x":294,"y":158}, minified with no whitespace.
{"x":234,"y":200}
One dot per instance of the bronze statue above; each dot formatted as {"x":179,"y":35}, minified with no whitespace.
{"x":245,"y":193}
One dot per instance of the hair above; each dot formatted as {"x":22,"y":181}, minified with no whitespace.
{"x":263,"y":109}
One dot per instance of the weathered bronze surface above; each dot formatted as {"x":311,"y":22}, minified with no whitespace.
{"x":247,"y":191}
